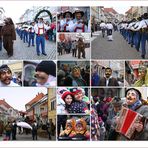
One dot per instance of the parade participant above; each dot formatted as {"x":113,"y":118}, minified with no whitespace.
{"x":6,"y":77}
{"x":67,"y":97}
{"x":109,"y":27}
{"x":25,"y":36}
{"x":40,"y":28}
{"x":69,"y":132}
{"x":75,"y":79}
{"x":34,"y":130}
{"x":81,"y":130}
{"x":14,"y":128}
{"x":142,"y":77}
{"x":8,"y":33}
{"x":95,"y":80}
{"x":8,"y":130}
{"x":31,"y":34}
{"x":67,"y":23}
{"x":79,"y":25}
{"x":103,"y":27}
{"x":108,"y":80}
{"x":74,"y":48}
{"x":81,"y":48}
{"x":143,"y":25}
{"x":134,"y":102}
{"x":78,"y":105}
{"x":46,"y":74}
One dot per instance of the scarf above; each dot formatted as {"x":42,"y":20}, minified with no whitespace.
{"x":135,"y":105}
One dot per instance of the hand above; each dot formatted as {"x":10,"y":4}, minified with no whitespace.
{"x":138,"y":126}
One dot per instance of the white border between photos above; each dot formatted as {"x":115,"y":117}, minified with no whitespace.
{"x":73,"y":144}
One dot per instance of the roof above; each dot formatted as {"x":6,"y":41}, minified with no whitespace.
{"x":110,"y":10}
{"x":38,"y":97}
{"x":3,"y":102}
{"x":129,"y":11}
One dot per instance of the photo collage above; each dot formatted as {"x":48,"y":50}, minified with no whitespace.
{"x":73,"y":73}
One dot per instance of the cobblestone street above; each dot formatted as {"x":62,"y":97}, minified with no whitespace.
{"x":22,"y":51}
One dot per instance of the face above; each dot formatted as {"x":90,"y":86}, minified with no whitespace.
{"x":67,"y":16}
{"x":68,"y":99}
{"x":79,"y":96}
{"x":76,"y":73}
{"x":141,"y":73}
{"x":6,"y":76}
{"x":41,"y":77}
{"x":79,"y":127}
{"x":131,"y":97}
{"x":108,"y":73}
{"x":78,"y":16}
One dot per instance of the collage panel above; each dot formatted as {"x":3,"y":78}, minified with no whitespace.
{"x":27,"y":117}
{"x":73,"y":73}
{"x":39,"y":73}
{"x":108,"y":73}
{"x":119,"y":32}
{"x":73,"y":19}
{"x":136,"y":73}
{"x":28,"y":33}
{"x":73,"y":128}
{"x":73,"y":46}
{"x":73,"y":100}
{"x":121,"y":117}
{"x":11,"y":73}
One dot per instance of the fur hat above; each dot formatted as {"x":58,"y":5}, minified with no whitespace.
{"x":49,"y":67}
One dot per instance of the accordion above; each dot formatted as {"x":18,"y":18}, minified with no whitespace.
{"x":126,"y":120}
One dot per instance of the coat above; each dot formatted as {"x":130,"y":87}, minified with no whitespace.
{"x":112,"y":82}
{"x":8,"y":33}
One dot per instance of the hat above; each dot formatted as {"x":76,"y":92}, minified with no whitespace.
{"x":67,"y":11}
{"x":137,"y":92}
{"x":145,"y":15}
{"x":4,"y":67}
{"x":77,"y":10}
{"x":63,"y":92}
{"x":49,"y":67}
{"x":74,"y":91}
{"x":75,"y":68}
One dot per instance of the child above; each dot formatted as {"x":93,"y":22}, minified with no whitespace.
{"x":81,"y":130}
{"x":78,"y":106}
{"x":69,"y":129}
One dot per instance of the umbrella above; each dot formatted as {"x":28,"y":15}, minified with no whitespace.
{"x":24,"y":125}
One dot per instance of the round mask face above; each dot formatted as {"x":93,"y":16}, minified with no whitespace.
{"x":69,"y":125}
{"x":131,"y":97}
{"x":6,"y":76}
{"x":141,"y":73}
{"x":68,"y":99}
{"x":41,"y":77}
{"x":79,"y":126}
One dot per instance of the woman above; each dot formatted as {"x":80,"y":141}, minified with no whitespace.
{"x":9,"y":35}
{"x":65,"y":99}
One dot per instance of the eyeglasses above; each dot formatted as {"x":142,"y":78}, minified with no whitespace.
{"x":39,"y":77}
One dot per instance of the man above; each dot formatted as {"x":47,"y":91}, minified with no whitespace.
{"x":75,"y":78}
{"x":81,"y":48}
{"x":109,"y":27}
{"x":31,"y":34}
{"x":67,"y":23}
{"x":6,"y":77}
{"x":1,"y":25}
{"x":108,"y":80}
{"x":103,"y":27}
{"x":34,"y":130}
{"x":14,"y":128}
{"x":79,"y":25}
{"x":134,"y":102}
{"x":40,"y":29}
{"x":46,"y":74}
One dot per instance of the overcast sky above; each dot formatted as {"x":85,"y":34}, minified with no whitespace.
{"x":17,"y":97}
{"x":15,"y":9}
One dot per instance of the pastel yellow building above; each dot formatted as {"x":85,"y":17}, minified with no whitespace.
{"x":52,"y":105}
